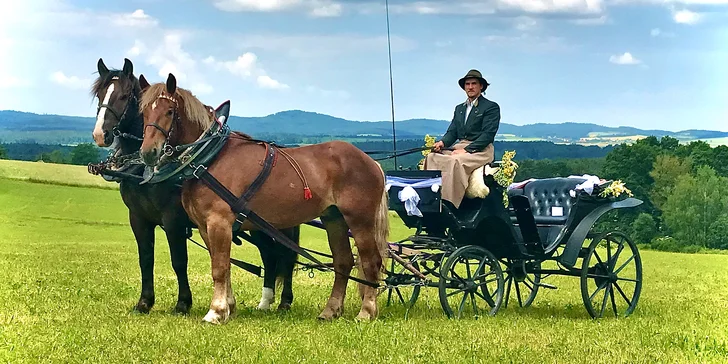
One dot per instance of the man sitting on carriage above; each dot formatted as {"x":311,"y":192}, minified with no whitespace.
{"x":474,"y":125}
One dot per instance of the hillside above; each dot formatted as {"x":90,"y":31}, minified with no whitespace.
{"x":54,"y":129}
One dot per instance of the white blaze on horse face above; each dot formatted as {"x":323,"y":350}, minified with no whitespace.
{"x":98,"y":129}
{"x":154,"y":105}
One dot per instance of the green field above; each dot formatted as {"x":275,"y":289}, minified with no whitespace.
{"x":69,"y":277}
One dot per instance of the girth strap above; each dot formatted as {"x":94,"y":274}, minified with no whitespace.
{"x":244,"y":212}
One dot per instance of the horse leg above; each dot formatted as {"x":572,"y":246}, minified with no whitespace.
{"x":218,"y":237}
{"x":285,"y":266}
{"x":266,"y":246}
{"x":144,"y":235}
{"x":370,"y":234}
{"x":177,"y":239}
{"x":338,"y":234}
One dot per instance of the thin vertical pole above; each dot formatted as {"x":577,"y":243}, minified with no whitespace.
{"x":391,"y":86}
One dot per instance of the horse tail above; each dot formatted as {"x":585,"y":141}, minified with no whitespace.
{"x":381,"y":222}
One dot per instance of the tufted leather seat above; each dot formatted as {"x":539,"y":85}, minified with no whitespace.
{"x":549,"y":198}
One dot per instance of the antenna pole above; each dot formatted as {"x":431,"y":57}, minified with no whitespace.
{"x":391,"y":86}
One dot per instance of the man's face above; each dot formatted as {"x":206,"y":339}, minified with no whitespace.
{"x":473,"y":87}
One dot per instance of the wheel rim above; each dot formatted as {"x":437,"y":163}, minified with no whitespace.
{"x":470,"y":276}
{"x":611,"y":276}
{"x":525,"y":285}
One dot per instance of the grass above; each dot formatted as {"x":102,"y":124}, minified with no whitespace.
{"x":69,"y":277}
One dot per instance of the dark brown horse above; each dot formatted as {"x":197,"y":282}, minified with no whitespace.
{"x":120,"y":122}
{"x":345,"y":189}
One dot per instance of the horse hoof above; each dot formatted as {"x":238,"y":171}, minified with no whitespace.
{"x":182,"y":308}
{"x":214,"y":318}
{"x":284,"y":307}
{"x":329,"y":314}
{"x":143,"y":306}
{"x":364,"y":317}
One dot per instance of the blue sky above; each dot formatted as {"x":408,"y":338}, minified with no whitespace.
{"x":646,"y":63}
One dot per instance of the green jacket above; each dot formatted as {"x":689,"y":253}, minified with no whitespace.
{"x":481,"y":126}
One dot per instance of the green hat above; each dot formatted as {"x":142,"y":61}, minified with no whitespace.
{"x":474,"y":74}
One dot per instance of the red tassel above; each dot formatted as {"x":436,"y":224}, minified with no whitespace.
{"x":307,"y":193}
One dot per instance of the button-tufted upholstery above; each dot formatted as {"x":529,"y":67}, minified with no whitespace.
{"x":548,"y":196}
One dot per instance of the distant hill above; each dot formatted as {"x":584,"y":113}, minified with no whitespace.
{"x":54,"y":129}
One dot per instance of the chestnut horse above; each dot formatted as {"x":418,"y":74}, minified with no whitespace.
{"x":120,"y":122}
{"x":345,"y":189}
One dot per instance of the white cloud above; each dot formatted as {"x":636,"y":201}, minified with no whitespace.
{"x":592,"y":21}
{"x":136,"y":19}
{"x":136,"y":49}
{"x":327,"y":10}
{"x":243,"y":66}
{"x":246,"y":66}
{"x":624,"y":59}
{"x":686,"y":17}
{"x":318,"y":8}
{"x":71,"y":82}
{"x":267,"y":82}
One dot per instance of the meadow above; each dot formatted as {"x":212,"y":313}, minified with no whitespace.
{"x":69,"y":278}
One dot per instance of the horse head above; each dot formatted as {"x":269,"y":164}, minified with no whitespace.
{"x":172,"y":116}
{"x":118,"y":93}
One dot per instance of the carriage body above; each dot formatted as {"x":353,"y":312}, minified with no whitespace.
{"x":546,"y":220}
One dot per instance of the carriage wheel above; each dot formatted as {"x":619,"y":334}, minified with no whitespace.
{"x":612,"y":265}
{"x":471,"y":273}
{"x":405,"y":289}
{"x":525,"y":284}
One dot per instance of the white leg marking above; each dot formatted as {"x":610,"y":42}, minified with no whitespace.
{"x":98,"y":129}
{"x":266,"y":299}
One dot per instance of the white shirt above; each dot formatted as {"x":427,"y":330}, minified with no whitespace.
{"x":469,"y":105}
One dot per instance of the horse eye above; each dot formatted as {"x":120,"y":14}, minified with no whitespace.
{"x":124,"y":97}
{"x":169,"y":112}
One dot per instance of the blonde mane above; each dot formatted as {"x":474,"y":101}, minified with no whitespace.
{"x":196,"y":111}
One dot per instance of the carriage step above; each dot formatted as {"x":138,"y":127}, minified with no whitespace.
{"x":546,"y":285}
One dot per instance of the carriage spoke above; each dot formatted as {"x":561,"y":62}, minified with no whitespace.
{"x":508,"y":290}
{"x":614,"y":304}
{"x":601,"y":286}
{"x":518,"y":295}
{"x":625,"y":264}
{"x":621,"y":292}
{"x":604,"y":301}
{"x":456,"y":292}
{"x":628,"y":280}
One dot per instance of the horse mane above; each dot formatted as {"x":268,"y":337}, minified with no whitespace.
{"x":195,"y":110}
{"x":102,"y":82}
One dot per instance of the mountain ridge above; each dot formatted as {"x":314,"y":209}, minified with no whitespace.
{"x":20,"y":125}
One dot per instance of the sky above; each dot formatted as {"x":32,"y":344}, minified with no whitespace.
{"x":651,"y":64}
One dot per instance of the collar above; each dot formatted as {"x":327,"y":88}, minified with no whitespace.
{"x":474,"y":103}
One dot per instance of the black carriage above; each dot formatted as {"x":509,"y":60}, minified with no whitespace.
{"x":483,"y":252}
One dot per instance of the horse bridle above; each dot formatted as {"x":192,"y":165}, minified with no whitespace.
{"x":115,"y":130}
{"x":167,"y":133}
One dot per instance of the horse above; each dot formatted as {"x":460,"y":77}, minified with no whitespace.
{"x":119,"y":124}
{"x":334,"y":181}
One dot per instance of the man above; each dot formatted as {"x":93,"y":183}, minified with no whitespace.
{"x":474,"y":123}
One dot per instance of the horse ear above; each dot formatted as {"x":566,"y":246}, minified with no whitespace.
{"x":103,"y":71}
{"x":128,"y":67}
{"x":143,"y":83}
{"x":171,"y":84}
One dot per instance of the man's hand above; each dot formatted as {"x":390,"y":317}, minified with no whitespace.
{"x":438,"y":146}
{"x":459,"y":151}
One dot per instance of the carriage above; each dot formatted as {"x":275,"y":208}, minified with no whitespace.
{"x":485,"y":251}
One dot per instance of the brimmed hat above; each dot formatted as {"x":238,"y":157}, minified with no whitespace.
{"x":474,"y":74}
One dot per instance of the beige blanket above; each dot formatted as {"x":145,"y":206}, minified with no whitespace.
{"x":456,"y":169}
